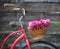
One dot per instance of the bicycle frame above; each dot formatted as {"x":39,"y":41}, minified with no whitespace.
{"x":19,"y":38}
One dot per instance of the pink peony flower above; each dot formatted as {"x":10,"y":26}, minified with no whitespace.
{"x":47,"y":22}
{"x":40,"y":23}
{"x":36,"y":24}
{"x":33,"y":24}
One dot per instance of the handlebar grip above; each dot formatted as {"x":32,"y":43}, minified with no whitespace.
{"x":23,"y":11}
{"x":20,"y":9}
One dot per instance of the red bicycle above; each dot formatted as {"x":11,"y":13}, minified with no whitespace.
{"x":29,"y":45}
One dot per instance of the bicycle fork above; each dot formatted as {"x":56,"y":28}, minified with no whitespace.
{"x":27,"y":40}
{"x":28,"y":44}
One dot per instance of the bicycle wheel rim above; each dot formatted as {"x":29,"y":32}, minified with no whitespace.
{"x":41,"y":44}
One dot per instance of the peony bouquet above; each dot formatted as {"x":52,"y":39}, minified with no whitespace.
{"x":38,"y":29}
{"x":38,"y":24}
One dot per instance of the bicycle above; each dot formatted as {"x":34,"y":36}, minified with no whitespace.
{"x":29,"y":45}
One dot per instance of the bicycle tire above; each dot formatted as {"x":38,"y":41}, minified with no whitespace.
{"x":41,"y":43}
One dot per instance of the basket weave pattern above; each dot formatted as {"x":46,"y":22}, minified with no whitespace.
{"x":38,"y":33}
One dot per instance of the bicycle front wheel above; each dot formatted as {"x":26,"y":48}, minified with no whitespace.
{"x":41,"y":45}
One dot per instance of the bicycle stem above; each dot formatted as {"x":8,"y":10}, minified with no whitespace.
{"x":20,"y":22}
{"x":20,"y":19}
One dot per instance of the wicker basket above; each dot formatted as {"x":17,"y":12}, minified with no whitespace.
{"x":38,"y":33}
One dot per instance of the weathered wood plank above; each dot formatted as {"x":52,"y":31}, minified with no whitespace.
{"x":30,"y":16}
{"x":41,"y":1}
{"x":17,"y":1}
{"x":36,"y":7}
